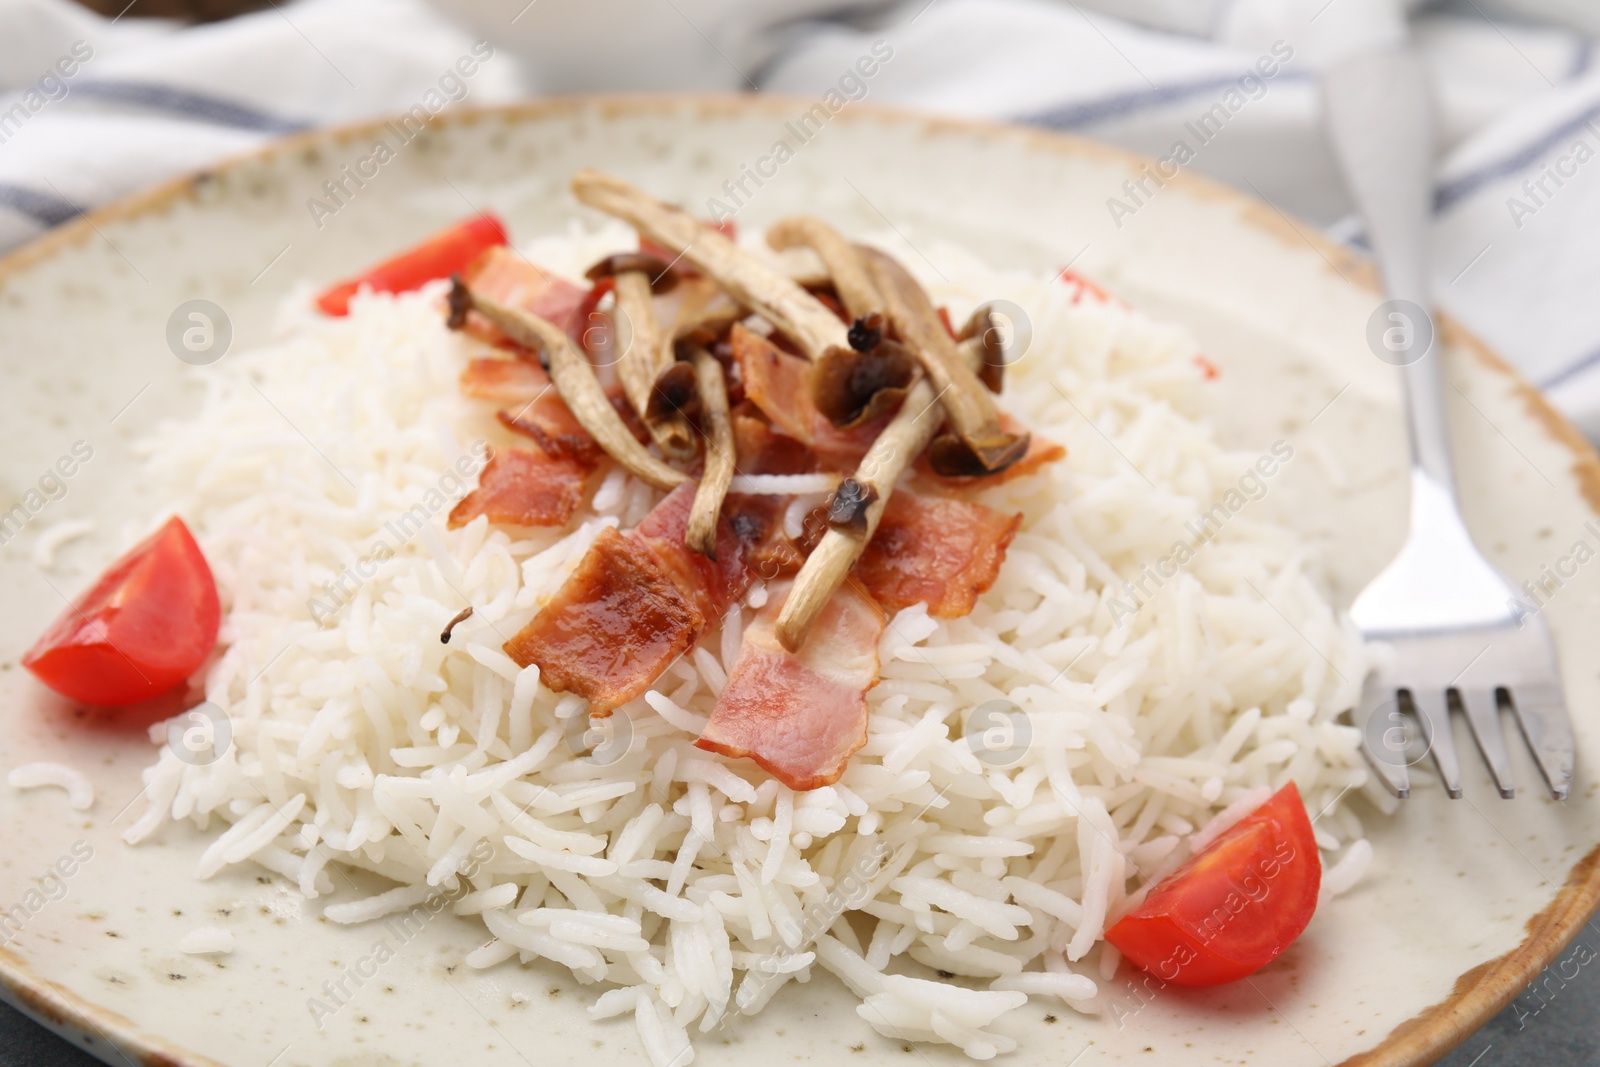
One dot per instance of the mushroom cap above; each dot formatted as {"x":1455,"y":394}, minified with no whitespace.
{"x":662,"y":276}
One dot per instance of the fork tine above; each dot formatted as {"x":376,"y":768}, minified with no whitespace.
{"x":1482,"y":709}
{"x":1542,"y":713}
{"x":1383,"y":738}
{"x":1433,"y":713}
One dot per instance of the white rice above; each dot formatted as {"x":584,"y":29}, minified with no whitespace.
{"x":686,"y":888}
{"x":79,"y":790}
{"x":1343,"y":876}
{"x":206,"y":941}
{"x":783,"y":484}
{"x":52,"y":537}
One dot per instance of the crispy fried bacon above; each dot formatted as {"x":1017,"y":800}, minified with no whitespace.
{"x":520,"y":487}
{"x":943,"y":553}
{"x":712,"y":583}
{"x":531,"y":406}
{"x":800,"y":716}
{"x":761,"y":451}
{"x":780,"y":386}
{"x":634,"y":604}
{"x":612,"y":628}
{"x":504,"y":276}
{"x":757,"y":521}
{"x":511,"y":382}
{"x":554,"y":428}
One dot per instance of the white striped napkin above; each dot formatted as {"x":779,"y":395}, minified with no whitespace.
{"x":93,"y":108}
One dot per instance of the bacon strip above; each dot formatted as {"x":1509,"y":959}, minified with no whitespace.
{"x":533,"y":407}
{"x":634,"y":604}
{"x":555,"y":429}
{"x":761,"y":451}
{"x":507,"y":278}
{"x":512,"y":382}
{"x":520,"y":487}
{"x":714,"y":585}
{"x":757,"y":521}
{"x":780,"y":385}
{"x":800,"y":716}
{"x":612,"y":628}
{"x":943,"y":553}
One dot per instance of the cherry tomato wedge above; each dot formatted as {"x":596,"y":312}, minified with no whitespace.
{"x":146,"y":625}
{"x":1235,"y":905}
{"x":445,"y":253}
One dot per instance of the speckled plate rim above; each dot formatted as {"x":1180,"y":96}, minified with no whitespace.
{"x":1477,"y":995}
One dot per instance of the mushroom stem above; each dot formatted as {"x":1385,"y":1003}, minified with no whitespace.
{"x":704,"y":311}
{"x":972,"y":412}
{"x":450,"y":627}
{"x":900,"y":443}
{"x":647,"y":354}
{"x":747,"y":279}
{"x":896,"y":448}
{"x":990,"y":331}
{"x":718,"y":474}
{"x":575,"y":381}
{"x":850,"y":279}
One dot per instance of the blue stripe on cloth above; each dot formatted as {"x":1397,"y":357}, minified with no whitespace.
{"x":1089,"y":112}
{"x":1571,"y":370}
{"x":1455,"y":190}
{"x":185,"y":102}
{"x":1582,"y":59}
{"x":47,"y":209}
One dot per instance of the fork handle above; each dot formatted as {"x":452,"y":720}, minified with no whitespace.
{"x":1379,"y":110}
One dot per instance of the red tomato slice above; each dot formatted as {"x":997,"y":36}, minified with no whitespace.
{"x":440,"y":256}
{"x":146,"y":625}
{"x":1234,"y":906}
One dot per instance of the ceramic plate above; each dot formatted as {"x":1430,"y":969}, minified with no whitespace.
{"x":1465,"y":903}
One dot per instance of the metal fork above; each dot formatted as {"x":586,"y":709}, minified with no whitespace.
{"x":1459,"y":643}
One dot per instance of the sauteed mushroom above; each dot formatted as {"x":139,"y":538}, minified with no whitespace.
{"x":973,"y":415}
{"x":574,"y":379}
{"x":895,"y":449}
{"x":646,"y":350}
{"x":718,"y":473}
{"x":791,"y":309}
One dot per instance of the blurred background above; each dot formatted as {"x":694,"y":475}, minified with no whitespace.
{"x":106,"y":97}
{"x":101,"y":98}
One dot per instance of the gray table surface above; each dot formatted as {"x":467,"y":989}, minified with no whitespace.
{"x":1555,"y":1023}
